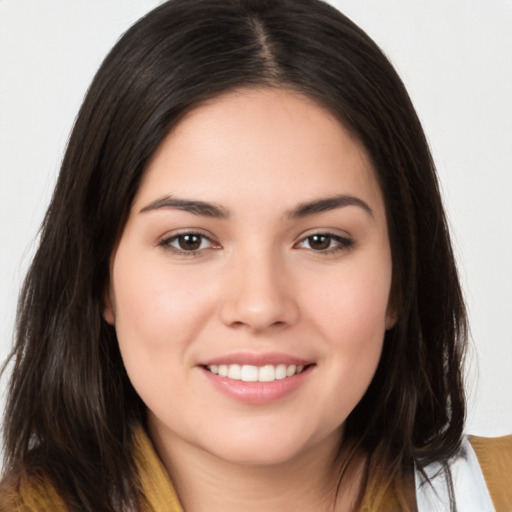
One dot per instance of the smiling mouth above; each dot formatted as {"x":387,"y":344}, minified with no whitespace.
{"x":250,"y":373}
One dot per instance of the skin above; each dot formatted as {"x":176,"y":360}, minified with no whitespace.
{"x":257,"y":285}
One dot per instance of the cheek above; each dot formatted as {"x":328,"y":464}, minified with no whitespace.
{"x":157,"y":317}
{"x":154,"y":305}
{"x":352,"y":304}
{"x":350,"y":313}
{"x":156,"y":320}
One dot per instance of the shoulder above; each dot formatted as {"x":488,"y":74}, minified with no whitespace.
{"x":494,"y":455}
{"x":477,"y":478}
{"x":25,"y":494}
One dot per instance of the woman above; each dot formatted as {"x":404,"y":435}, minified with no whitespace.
{"x":244,"y":295}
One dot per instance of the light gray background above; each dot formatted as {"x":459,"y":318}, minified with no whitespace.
{"x":455,"y":57}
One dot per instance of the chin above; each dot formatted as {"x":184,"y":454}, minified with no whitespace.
{"x":257,"y":456}
{"x":261,"y":448}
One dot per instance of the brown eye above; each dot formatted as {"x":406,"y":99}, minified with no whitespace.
{"x":325,"y":243}
{"x":189,"y":242}
{"x":319,"y":242}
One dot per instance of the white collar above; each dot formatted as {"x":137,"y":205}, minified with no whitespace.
{"x":469,"y":488}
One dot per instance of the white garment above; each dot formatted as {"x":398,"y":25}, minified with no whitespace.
{"x":469,"y":488}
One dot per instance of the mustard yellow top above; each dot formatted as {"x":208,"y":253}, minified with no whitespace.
{"x":495,"y":458}
{"x":494,"y":455}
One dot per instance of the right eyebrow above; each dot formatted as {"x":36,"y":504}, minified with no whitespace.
{"x":196,"y":207}
{"x":328,"y":203}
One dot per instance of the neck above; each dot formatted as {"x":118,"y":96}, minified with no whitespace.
{"x":308,"y":482}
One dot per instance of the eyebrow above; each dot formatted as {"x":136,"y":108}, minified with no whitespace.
{"x":326,"y":204}
{"x":188,"y":205}
{"x":213,"y":210}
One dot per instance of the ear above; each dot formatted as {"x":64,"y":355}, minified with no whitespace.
{"x":392,"y":311}
{"x":108,"y":308}
{"x":391,"y":318}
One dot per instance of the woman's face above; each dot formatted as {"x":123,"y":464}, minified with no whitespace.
{"x":250,"y":287}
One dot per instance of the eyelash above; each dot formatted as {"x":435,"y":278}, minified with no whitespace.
{"x":167,"y":243}
{"x":341,"y":243}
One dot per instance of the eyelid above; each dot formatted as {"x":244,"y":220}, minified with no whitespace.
{"x":344,"y":241}
{"x":165,"y":241}
{"x":331,"y":231}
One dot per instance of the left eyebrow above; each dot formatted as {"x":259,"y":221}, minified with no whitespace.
{"x":326,"y":204}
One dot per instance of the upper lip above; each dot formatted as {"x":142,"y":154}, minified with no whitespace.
{"x":247,"y":358}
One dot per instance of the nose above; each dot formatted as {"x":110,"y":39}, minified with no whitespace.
{"x":259,"y":295}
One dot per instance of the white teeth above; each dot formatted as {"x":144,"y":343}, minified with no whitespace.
{"x":250,"y":373}
{"x":234,"y":371}
{"x":280,"y":371}
{"x":290,"y":370}
{"x":267,"y":373}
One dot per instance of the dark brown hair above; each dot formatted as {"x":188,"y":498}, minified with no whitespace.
{"x":71,"y":409}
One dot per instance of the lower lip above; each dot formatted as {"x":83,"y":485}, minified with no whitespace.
{"x":257,"y":393}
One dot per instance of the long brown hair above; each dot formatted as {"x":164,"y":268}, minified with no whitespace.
{"x":71,"y":410}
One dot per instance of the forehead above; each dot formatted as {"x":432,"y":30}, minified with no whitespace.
{"x":269,"y":143}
